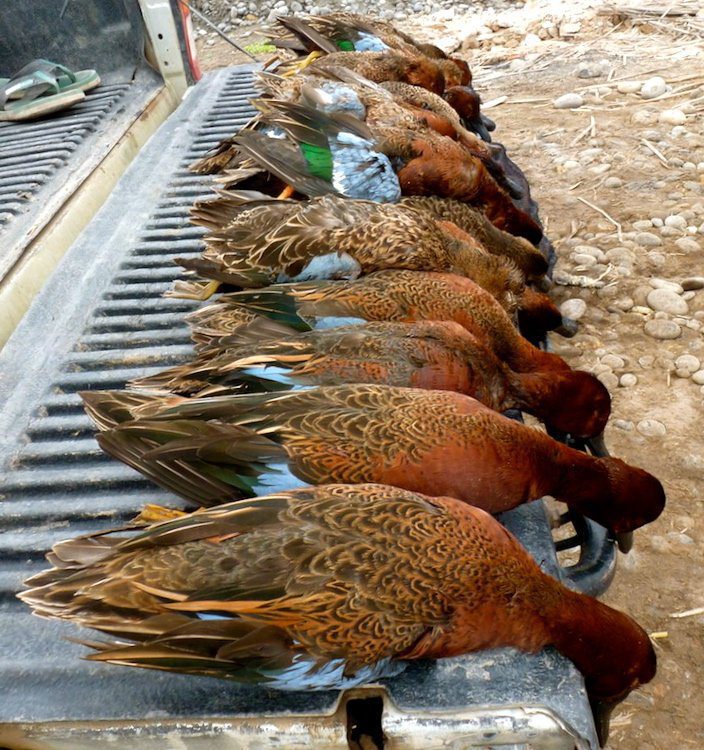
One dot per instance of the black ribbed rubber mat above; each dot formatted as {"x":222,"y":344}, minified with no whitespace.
{"x":32,"y":152}
{"x":101,"y":320}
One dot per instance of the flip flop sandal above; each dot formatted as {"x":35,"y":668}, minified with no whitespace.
{"x":34,"y":95}
{"x":66,"y":79}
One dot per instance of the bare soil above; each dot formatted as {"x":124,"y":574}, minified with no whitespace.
{"x":664,"y":574}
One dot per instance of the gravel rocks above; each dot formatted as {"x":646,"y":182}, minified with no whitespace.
{"x":693,"y":283}
{"x":673,"y":286}
{"x":698,"y":377}
{"x":584,"y":260}
{"x":629,"y":87}
{"x":613,"y":182}
{"x":568,"y":101}
{"x":651,"y":428}
{"x":608,"y":379}
{"x":593,"y":70}
{"x":648,"y":239}
{"x":642,"y":225}
{"x":672,"y":116}
{"x":623,"y":424}
{"x":573,"y":308}
{"x":613,"y":361}
{"x":662,"y":329}
{"x":620,"y":256}
{"x":624,"y":304}
{"x":627,"y":380}
{"x":687,"y":363}
{"x":646,"y":361}
{"x":653,"y":87}
{"x":667,"y":300}
{"x":687,"y":244}
{"x":677,"y":221}
{"x":596,"y":252}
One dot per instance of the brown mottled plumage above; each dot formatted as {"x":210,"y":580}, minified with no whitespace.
{"x":326,"y":32}
{"x":345,"y":579}
{"x":268,"y":240}
{"x":212,"y":450}
{"x":388,"y":295}
{"x":434,"y":355}
{"x":525,"y":255}
{"x":379,"y":67}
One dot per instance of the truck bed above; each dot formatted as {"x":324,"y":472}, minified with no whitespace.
{"x":100,"y":320}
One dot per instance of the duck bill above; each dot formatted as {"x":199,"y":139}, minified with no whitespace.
{"x":481,"y":130}
{"x":488,"y":123}
{"x":624,"y":540}
{"x":597,"y":446}
{"x":601,"y":711}
{"x":568,"y":328}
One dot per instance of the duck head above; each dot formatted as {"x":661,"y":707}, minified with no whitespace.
{"x":571,"y":401}
{"x":467,"y":103}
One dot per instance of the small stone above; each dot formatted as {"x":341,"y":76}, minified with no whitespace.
{"x":613,"y":361}
{"x":694,"y":325}
{"x":657,"y":221}
{"x":643,"y":117}
{"x":698,"y":377}
{"x":627,"y":380}
{"x":582,"y":259}
{"x":571,"y":164}
{"x":568,"y":101}
{"x":608,"y":379}
{"x":688,"y":363}
{"x":662,"y":329}
{"x":591,"y":250}
{"x":688,"y":296}
{"x":620,"y":255}
{"x":673,"y":286}
{"x":668,"y":301}
{"x":592,"y":70}
{"x":648,"y":239}
{"x":613,"y":182}
{"x":646,"y":361}
{"x":655,"y":86}
{"x":672,"y":116}
{"x":531,"y":40}
{"x":643,"y":225}
{"x":677,"y":221}
{"x":670,"y":232}
{"x":692,"y":283}
{"x":656,"y":259}
{"x":623,"y":303}
{"x":573,"y":308}
{"x":623,"y":424}
{"x":651,"y":428}
{"x":629,"y":87}
{"x":687,"y":244}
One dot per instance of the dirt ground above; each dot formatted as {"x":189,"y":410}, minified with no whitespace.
{"x":613,"y":157}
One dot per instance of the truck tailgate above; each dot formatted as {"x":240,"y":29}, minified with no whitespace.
{"x":100,"y":320}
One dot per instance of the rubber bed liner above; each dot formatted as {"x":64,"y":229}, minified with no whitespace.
{"x":100,"y":320}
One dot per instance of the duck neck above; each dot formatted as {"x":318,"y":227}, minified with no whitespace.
{"x":604,"y":644}
{"x":582,"y":481}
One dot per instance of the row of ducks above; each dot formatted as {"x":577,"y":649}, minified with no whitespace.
{"x":383,"y":291}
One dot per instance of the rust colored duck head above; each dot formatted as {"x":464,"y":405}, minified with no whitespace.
{"x":571,"y":401}
{"x":467,"y":103}
{"x":423,"y":72}
{"x":612,"y":667}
